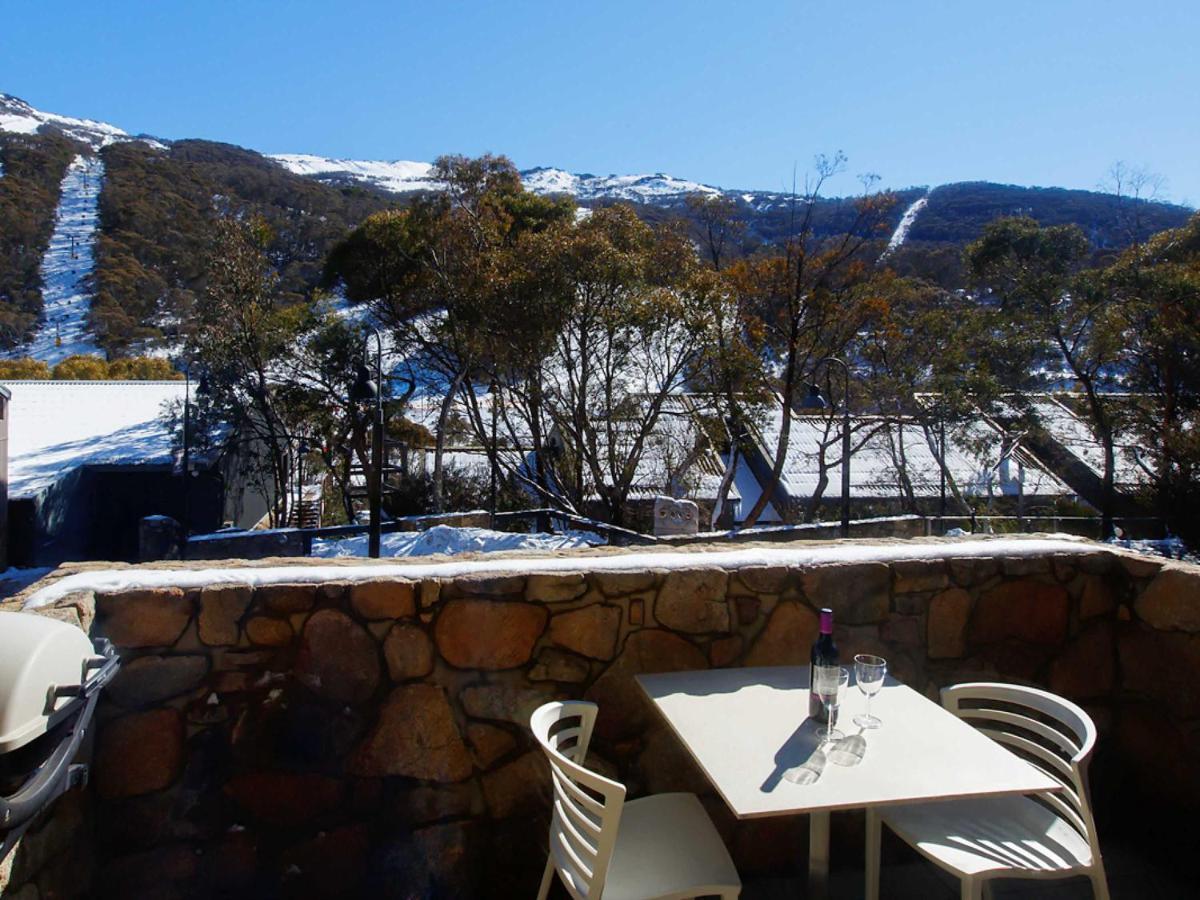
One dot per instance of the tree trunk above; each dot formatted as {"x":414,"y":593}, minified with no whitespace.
{"x":440,"y":443}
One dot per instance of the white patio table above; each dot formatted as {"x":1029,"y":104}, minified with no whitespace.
{"x":746,"y":727}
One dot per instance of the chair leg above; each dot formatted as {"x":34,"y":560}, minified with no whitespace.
{"x":1099,"y":882}
{"x":547,"y":877}
{"x":972,"y":889}
{"x":874,"y":833}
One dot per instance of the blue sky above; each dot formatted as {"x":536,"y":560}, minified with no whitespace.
{"x":734,"y":94}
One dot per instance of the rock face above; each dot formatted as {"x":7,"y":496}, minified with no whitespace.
{"x":408,"y":651}
{"x":489,"y":634}
{"x":1170,"y":601}
{"x":383,"y":599}
{"x":947,"y":628}
{"x":623,"y":707}
{"x":151,"y":679}
{"x":1025,"y":610}
{"x":787,"y":638}
{"x":338,"y":658}
{"x":221,"y":609}
{"x":415,"y":736}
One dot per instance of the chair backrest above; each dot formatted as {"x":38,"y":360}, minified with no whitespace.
{"x":1045,"y":730}
{"x":586,"y":807}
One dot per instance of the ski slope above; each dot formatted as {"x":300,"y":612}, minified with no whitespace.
{"x":905,"y":224}
{"x":66,"y":297}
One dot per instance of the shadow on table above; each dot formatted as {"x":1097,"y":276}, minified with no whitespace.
{"x":802,"y":750}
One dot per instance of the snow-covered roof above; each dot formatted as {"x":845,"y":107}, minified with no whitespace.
{"x":877,"y":447}
{"x":1073,"y":433}
{"x":57,"y":426}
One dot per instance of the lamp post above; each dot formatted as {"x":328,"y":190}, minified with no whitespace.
{"x":201,"y":390}
{"x":814,"y":400}
{"x":493,"y":477}
{"x":364,"y":390}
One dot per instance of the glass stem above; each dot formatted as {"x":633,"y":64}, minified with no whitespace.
{"x":869,"y":698}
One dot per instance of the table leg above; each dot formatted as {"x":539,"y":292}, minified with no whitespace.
{"x":818,"y":855}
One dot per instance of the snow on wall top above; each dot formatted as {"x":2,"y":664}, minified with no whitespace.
{"x":795,"y":555}
{"x":56,"y":427}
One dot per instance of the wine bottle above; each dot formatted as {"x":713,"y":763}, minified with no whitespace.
{"x":824,"y":653}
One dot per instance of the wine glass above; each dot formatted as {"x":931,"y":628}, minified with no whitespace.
{"x":829,"y":682}
{"x":868,"y":672}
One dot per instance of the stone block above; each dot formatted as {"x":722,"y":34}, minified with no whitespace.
{"x":383,"y":599}
{"x":912,"y":576}
{"x":693,"y":601}
{"x":149,"y":680}
{"x":428,"y":803}
{"x":338,"y":658}
{"x":489,"y":743}
{"x":285,"y":798}
{"x":858,"y":594}
{"x":519,"y":787}
{"x":154,"y":617}
{"x":724,"y":651}
{"x":484,"y":586}
{"x":1086,"y":668}
{"x":1162,"y":666}
{"x":1139,"y":566}
{"x":590,"y":631}
{"x":946,"y":626}
{"x":904,"y":631}
{"x":762,"y":579}
{"x":506,"y":702}
{"x":787,"y":638}
{"x":268,"y":632}
{"x":622,"y":703}
{"x":489,"y":634}
{"x":1097,"y":597}
{"x":408,"y":652}
{"x":430,"y":593}
{"x":286,"y":598}
{"x":618,"y":584}
{"x":747,"y":609}
{"x":221,"y":611}
{"x":969,"y":571}
{"x":415,"y":736}
{"x":558,"y":665}
{"x":557,"y":588}
{"x":139,"y":753}
{"x":1023,"y":610}
{"x":1024,"y":566}
{"x":1171,"y":602}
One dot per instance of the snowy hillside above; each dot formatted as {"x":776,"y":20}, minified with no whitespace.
{"x":18,"y":116}
{"x":397,"y":176}
{"x":905,"y":225}
{"x":66,"y":267}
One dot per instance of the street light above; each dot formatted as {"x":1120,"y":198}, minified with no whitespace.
{"x":362,"y":391}
{"x":814,"y":400}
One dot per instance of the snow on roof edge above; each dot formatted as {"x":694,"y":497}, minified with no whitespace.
{"x":112,"y":580}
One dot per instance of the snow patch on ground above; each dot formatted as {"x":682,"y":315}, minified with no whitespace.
{"x":900,"y":235}
{"x":135,"y":579}
{"x":449,"y":541}
{"x":398,"y":176}
{"x":67,"y":267}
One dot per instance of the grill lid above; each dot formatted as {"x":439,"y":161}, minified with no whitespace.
{"x":44,"y":665}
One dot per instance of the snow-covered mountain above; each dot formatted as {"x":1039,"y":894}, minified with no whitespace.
{"x":19,"y":117}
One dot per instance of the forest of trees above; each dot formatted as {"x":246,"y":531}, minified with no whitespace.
{"x":33,"y":167}
{"x":576,"y":329}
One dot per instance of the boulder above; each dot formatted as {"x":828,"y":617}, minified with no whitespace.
{"x":489,"y":743}
{"x":489,"y":634}
{"x":338,"y":658}
{"x":512,"y":702}
{"x":519,"y":787}
{"x":1086,"y":669}
{"x":787,"y":638}
{"x":415,"y":736}
{"x":591,"y":631}
{"x":286,"y":598}
{"x":912,"y":576}
{"x":558,"y":665}
{"x":154,"y":617}
{"x":693,"y":601}
{"x":724,"y":651}
{"x":1097,"y":598}
{"x":618,"y":584}
{"x":408,"y":652}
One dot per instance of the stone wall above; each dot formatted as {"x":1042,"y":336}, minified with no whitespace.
{"x":370,"y":737}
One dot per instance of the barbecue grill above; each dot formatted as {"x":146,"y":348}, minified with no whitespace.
{"x":50,"y":679}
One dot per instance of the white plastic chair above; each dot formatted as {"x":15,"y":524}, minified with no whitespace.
{"x":1046,"y":835}
{"x":656,"y":848}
